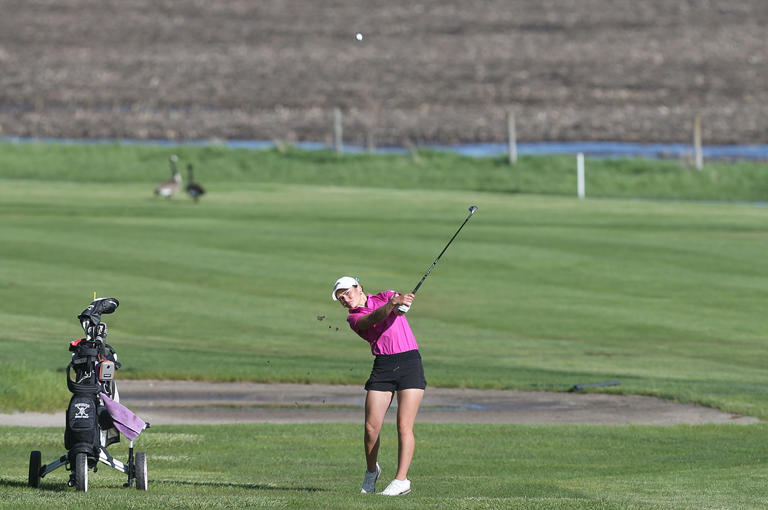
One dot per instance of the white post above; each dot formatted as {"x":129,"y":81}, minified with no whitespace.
{"x":580,"y":175}
{"x":699,"y":158}
{"x":512,"y":138}
{"x":337,"y":130}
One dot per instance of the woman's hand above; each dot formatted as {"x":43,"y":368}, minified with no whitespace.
{"x":402,"y":302}
{"x":382,"y":312}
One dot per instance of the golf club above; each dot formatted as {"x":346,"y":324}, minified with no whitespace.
{"x":472,"y":209}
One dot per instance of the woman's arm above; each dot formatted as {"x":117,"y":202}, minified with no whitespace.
{"x":382,"y":312}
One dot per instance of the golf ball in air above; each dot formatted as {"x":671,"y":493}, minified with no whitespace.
{"x":359,"y":36}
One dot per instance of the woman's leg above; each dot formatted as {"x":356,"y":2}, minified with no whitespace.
{"x":376,"y":405}
{"x":408,"y":402}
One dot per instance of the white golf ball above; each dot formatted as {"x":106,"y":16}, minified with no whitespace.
{"x":359,"y":36}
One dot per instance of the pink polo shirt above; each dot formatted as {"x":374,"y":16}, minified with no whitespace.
{"x":390,"y":336}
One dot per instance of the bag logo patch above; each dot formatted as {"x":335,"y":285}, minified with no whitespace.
{"x":82,"y":411}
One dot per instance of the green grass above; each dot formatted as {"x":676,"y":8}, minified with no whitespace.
{"x":537,"y":293}
{"x":456,"y":466}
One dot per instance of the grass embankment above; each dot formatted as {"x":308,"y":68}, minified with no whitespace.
{"x":538,"y":292}
{"x":421,"y":170}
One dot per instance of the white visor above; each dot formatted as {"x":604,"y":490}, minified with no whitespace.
{"x":345,"y":282}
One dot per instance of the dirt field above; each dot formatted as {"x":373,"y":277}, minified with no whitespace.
{"x":187,"y":402}
{"x":432,"y":71}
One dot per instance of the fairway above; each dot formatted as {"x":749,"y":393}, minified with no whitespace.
{"x":537,"y":293}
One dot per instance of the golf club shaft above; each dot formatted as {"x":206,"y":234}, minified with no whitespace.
{"x":472,"y":210}
{"x":438,"y":257}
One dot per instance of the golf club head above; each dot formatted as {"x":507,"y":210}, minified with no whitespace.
{"x":472,"y":209}
{"x":92,"y":314}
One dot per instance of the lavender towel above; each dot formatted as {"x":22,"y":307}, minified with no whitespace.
{"x":125,"y":421}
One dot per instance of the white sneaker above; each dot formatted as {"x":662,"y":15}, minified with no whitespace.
{"x":369,"y":482}
{"x":397,"y":488}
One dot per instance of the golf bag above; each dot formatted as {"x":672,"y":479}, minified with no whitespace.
{"x":94,"y":418}
{"x":94,"y":362}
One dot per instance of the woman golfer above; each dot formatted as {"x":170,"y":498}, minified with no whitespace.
{"x":397,"y":368}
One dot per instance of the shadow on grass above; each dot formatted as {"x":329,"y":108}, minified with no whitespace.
{"x":255,"y":486}
{"x":59,"y":487}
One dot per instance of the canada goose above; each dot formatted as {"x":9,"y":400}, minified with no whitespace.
{"x":169,"y":188}
{"x":194,"y":190}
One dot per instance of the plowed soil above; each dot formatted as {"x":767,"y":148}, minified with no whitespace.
{"x":433,"y":71}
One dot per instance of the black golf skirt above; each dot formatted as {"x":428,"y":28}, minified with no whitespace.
{"x":394,"y":372}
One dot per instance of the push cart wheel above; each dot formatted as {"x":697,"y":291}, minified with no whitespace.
{"x":141,"y":471}
{"x":34,"y":468}
{"x":81,"y":472}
